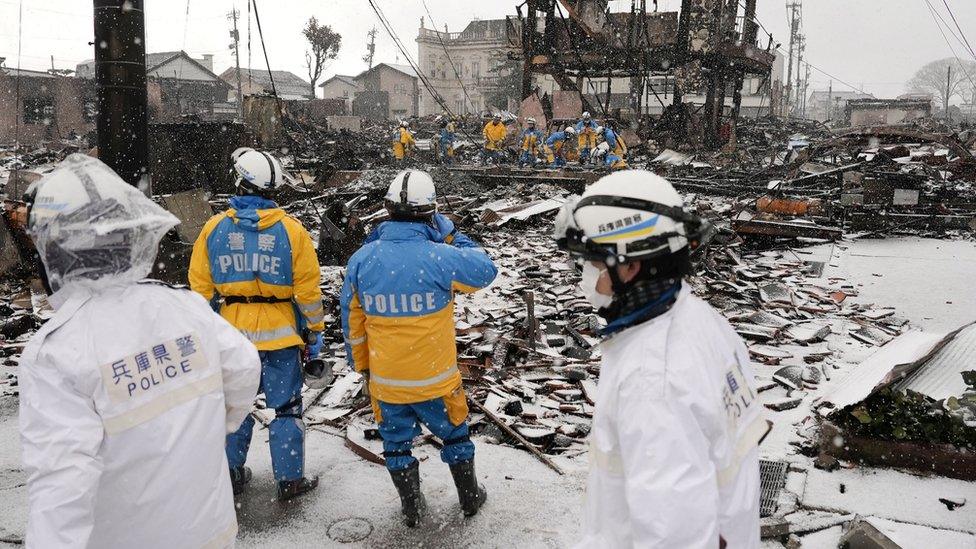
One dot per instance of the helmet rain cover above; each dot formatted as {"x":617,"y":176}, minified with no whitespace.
{"x":90,"y":227}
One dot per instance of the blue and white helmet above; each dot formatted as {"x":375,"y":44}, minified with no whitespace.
{"x":627,"y":216}
{"x":411,"y":194}
{"x":258,"y":171}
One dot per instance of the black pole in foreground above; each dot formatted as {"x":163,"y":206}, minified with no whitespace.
{"x":120,"y":86}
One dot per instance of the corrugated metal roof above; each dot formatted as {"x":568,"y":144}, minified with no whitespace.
{"x":940,"y":376}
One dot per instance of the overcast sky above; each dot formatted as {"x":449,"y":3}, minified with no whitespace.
{"x":877,"y":44}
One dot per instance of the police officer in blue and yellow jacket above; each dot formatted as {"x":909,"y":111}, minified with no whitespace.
{"x":531,"y":144}
{"x":398,"y":322}
{"x":259,"y":265}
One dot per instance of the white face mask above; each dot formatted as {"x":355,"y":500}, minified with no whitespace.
{"x":591,"y":275}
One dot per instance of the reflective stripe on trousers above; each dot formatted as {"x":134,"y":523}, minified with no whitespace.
{"x":443,"y":376}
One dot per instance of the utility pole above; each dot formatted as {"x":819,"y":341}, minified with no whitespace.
{"x":794,"y":8}
{"x":806,"y":90}
{"x":233,"y":15}
{"x":948,"y":91}
{"x":120,"y":87}
{"x":830,"y":102}
{"x":370,"y":48}
{"x":800,"y":51}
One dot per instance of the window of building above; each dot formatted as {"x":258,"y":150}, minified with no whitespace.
{"x":345,"y":93}
{"x":476,"y":69}
{"x":38,"y":110}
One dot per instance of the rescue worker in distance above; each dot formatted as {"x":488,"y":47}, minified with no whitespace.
{"x":494,"y":133}
{"x":403,"y":142}
{"x":586,"y":132}
{"x":531,"y":141}
{"x":674,"y":442}
{"x":128,"y":390}
{"x":398,"y":322}
{"x":556,"y":146}
{"x":258,"y":265}
{"x":616,"y":156}
{"x":445,"y":142}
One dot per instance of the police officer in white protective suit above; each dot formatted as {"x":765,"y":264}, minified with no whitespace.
{"x":674,"y":443}
{"x":128,"y":391}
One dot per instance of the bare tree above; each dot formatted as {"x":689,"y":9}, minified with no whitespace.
{"x":325,"y":45}
{"x":945,"y":79}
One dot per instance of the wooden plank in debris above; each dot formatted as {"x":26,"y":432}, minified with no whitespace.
{"x":514,"y":434}
{"x":756,"y":227}
{"x":355,"y":441}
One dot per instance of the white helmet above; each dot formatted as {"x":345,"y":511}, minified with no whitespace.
{"x":599,"y":130}
{"x":586,"y":116}
{"x":530,"y":121}
{"x":258,"y":171}
{"x":570,"y":130}
{"x":411,"y":194}
{"x":91,"y":227}
{"x":238,"y":152}
{"x":626,"y":216}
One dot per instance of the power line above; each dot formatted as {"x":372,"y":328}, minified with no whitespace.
{"x":448,"y":54}
{"x":961,"y":33}
{"x":933,"y":12}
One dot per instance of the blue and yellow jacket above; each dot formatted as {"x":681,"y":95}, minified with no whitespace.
{"x":586,"y":133}
{"x":531,"y":139}
{"x":255,"y":249}
{"x":557,"y":140}
{"x":398,"y":309}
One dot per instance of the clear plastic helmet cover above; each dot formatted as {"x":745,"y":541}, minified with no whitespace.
{"x":92,"y":228}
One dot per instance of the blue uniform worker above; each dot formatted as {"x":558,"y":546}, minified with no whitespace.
{"x":531,"y":143}
{"x":445,"y":143}
{"x":586,"y":130}
{"x":616,"y":156}
{"x":556,"y":147}
{"x":398,"y":322}
{"x":262,"y":265}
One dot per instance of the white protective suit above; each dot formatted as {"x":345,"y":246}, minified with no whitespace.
{"x":119,"y":457}
{"x":674,"y":444}
{"x":129,"y":390}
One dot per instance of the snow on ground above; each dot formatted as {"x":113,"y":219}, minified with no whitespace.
{"x":531,"y":506}
{"x":929,"y":281}
{"x":892,"y":495}
{"x":528,"y":504}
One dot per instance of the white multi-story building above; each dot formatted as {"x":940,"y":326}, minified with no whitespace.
{"x":475,"y":53}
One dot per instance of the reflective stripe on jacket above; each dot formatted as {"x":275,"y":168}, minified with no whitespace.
{"x":260,"y":252}
{"x":530,"y":141}
{"x":673,"y":448}
{"x":398,"y":309}
{"x":126,"y":397}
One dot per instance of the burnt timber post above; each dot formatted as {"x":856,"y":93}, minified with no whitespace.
{"x":120,"y":86}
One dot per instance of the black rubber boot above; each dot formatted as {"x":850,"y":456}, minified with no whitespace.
{"x":407,"y":482}
{"x":239,"y":477}
{"x":288,"y":489}
{"x":471,"y":495}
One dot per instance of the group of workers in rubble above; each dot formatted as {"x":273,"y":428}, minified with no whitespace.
{"x":592,"y":142}
{"x":136,"y":397}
